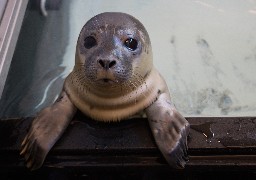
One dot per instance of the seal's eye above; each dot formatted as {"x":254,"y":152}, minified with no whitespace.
{"x":131,"y":44}
{"x":89,"y":42}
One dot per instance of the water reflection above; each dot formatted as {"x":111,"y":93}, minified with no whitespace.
{"x":37,"y":71}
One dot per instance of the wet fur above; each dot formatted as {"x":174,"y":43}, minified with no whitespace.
{"x":111,"y":94}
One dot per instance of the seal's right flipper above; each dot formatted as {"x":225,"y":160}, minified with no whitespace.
{"x":170,"y":130}
{"x":46,"y":129}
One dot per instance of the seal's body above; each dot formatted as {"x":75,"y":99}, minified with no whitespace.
{"x":113,"y":79}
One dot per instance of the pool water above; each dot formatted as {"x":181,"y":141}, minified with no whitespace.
{"x":206,"y":51}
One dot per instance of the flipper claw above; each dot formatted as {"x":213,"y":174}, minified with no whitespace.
{"x":24,"y":141}
{"x":22,"y":152}
{"x":178,"y":156}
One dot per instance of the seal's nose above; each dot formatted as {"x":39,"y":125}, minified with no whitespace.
{"x":107,"y":64}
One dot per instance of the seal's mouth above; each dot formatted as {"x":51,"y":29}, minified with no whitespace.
{"x":107,"y":81}
{"x":104,"y":77}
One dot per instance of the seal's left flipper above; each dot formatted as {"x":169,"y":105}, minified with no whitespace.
{"x":46,"y":129}
{"x":170,"y":130}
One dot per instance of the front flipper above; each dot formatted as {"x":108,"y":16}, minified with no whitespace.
{"x":46,"y":129}
{"x":170,"y":130}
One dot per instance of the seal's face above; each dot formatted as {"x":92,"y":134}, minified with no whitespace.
{"x":113,"y":77}
{"x":113,"y":50}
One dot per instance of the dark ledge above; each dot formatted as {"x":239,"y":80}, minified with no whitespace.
{"x":216,"y":144}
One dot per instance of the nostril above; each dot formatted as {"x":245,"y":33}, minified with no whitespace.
{"x":101,"y":62}
{"x":112,"y":63}
{"x":106,"y":64}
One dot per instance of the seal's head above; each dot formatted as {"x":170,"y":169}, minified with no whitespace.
{"x":113,"y":48}
{"x":113,"y":76}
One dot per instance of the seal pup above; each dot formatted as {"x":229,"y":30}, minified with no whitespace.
{"x":112,"y":80}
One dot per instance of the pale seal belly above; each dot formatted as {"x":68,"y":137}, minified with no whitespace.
{"x":112,"y":80}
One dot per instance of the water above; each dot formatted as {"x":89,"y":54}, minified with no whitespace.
{"x":229,"y":133}
{"x":38,"y":69}
{"x":206,"y":51}
{"x":204,"y":128}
